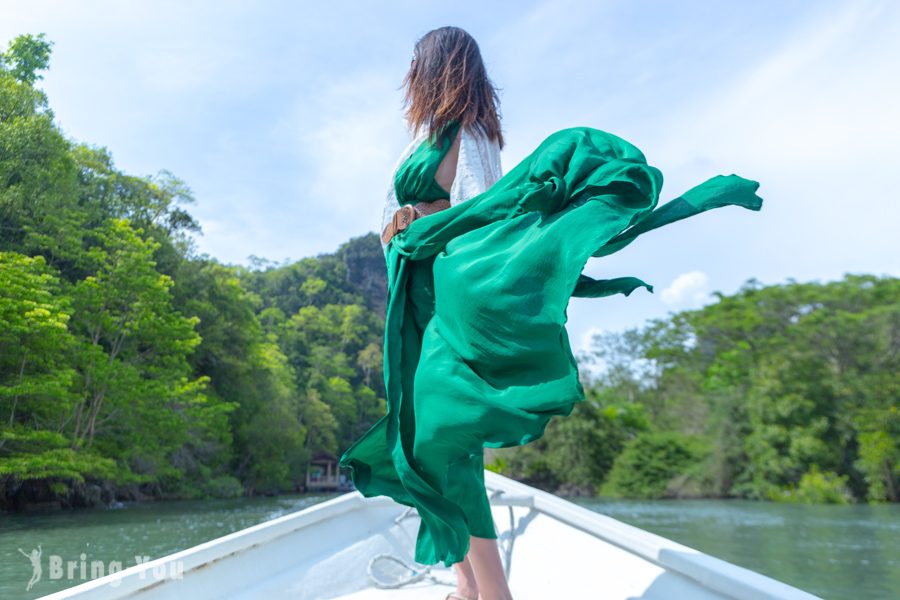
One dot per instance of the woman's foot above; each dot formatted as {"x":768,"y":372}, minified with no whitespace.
{"x":459,"y":596}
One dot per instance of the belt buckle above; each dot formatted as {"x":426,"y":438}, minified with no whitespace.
{"x":403,"y":217}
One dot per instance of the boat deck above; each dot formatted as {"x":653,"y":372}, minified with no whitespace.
{"x":549,"y":560}
{"x":416,"y":592}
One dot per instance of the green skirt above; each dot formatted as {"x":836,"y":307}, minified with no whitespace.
{"x":476,"y":352}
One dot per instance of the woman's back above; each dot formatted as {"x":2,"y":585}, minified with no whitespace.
{"x":415,"y":180}
{"x":477,"y":168}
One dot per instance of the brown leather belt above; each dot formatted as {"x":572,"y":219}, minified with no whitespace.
{"x":409,"y":213}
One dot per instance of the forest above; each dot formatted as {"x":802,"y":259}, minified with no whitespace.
{"x":133,"y":367}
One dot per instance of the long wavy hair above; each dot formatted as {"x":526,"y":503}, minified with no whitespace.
{"x":447,"y":81}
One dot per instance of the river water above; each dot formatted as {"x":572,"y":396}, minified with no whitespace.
{"x":836,"y":552}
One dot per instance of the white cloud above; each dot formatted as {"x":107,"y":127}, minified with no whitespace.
{"x":822,"y":100}
{"x":688,"y":290}
{"x":349,"y":136}
{"x":816,"y":123}
{"x":589,"y":364}
{"x":800,"y":98}
{"x":587,"y":338}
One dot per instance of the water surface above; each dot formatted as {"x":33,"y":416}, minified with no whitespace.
{"x":836,"y":552}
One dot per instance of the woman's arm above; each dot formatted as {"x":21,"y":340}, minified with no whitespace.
{"x":477,"y":168}
{"x":391,"y":205}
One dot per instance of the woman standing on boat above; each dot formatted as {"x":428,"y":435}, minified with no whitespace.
{"x":481,"y":267}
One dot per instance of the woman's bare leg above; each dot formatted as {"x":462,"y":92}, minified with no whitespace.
{"x":466,"y":585}
{"x":485,"y":558}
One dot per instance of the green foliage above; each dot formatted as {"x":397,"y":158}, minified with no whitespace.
{"x":498,"y":465}
{"x":879,"y":452}
{"x":34,"y":338}
{"x":816,"y":487}
{"x":785,"y":382}
{"x":649,"y":464}
{"x":58,"y":463}
{"x":45,"y":455}
{"x":272,"y":437}
{"x":25,"y":56}
{"x":139,"y":400}
{"x":578,"y":450}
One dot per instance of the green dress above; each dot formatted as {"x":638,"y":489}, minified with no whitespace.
{"x":476,"y":352}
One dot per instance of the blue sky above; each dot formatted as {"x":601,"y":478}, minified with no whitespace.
{"x":285,"y":118}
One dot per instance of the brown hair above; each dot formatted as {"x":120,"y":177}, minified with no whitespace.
{"x":448,"y":82}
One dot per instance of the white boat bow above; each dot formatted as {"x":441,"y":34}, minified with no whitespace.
{"x":351,"y":547}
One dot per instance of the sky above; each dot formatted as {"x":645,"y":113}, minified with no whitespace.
{"x":285,"y":119}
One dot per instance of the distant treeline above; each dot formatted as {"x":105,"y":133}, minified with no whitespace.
{"x":132,"y":366}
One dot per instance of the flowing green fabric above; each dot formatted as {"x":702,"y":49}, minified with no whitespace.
{"x":476,"y":352}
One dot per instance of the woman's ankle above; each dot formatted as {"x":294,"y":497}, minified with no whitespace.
{"x":466,"y":585}
{"x":484,"y":558}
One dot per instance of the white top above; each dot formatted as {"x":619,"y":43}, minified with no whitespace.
{"x":477,"y":169}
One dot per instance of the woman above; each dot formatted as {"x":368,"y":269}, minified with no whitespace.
{"x":480,"y":271}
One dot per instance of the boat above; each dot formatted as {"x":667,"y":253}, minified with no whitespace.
{"x":356,"y":548}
